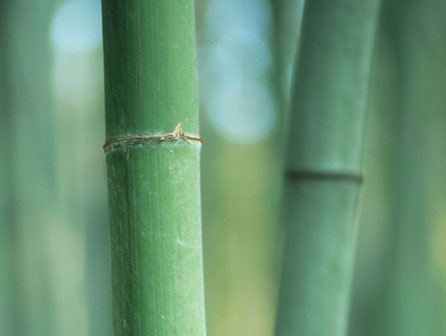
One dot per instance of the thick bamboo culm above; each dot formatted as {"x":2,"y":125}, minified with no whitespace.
{"x":153,"y":153}
{"x":323,"y":174}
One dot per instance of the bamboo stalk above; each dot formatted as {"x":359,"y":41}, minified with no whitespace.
{"x":8,"y":290}
{"x":369,"y":293}
{"x":414,"y":300}
{"x":153,"y":167}
{"x":31,"y":155}
{"x":323,"y":165}
{"x":399,"y":289}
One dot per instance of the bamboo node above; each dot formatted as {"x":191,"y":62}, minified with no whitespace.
{"x":176,"y":135}
{"x":324,"y":175}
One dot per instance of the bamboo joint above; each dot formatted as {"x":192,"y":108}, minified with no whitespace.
{"x":131,"y":140}
{"x":323,"y":175}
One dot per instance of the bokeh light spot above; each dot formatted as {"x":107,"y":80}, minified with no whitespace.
{"x":77,"y":27}
{"x":243,"y":113}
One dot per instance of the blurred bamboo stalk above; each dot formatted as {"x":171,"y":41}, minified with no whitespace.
{"x":153,"y":180}
{"x":399,"y":283}
{"x":414,"y":298}
{"x":323,"y":165}
{"x":8,"y":303}
{"x":287,"y":19}
{"x":374,"y":239}
{"x":32,"y":161}
{"x":241,"y":201}
{"x":83,"y":226}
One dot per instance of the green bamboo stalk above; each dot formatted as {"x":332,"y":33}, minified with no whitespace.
{"x":82,"y":226}
{"x":8,"y":303}
{"x":153,"y":167}
{"x":375,"y":222}
{"x":287,"y":19}
{"x":323,"y":165}
{"x":401,"y":266}
{"x":413,"y":296}
{"x":32,"y":163}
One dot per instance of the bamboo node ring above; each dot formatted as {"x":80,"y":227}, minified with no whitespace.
{"x":323,"y":175}
{"x":176,"y":135}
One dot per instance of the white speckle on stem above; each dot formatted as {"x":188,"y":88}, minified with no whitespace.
{"x":183,"y":244}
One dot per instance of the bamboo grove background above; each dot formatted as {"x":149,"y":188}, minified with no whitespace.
{"x":54,"y":248}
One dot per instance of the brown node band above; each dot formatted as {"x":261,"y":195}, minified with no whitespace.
{"x":323,"y":175}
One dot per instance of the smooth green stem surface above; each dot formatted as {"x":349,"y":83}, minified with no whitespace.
{"x":154,"y":189}
{"x":323,"y":165}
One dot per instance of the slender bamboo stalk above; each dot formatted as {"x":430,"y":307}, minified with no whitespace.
{"x":287,"y":19}
{"x":82,"y":226}
{"x":323,"y":165}
{"x":153,"y":167}
{"x":8,"y":290}
{"x":413,"y":296}
{"x":374,"y":238}
{"x":400,"y":287}
{"x":31,"y":153}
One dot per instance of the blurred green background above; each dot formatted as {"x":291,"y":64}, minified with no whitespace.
{"x":54,"y":237}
